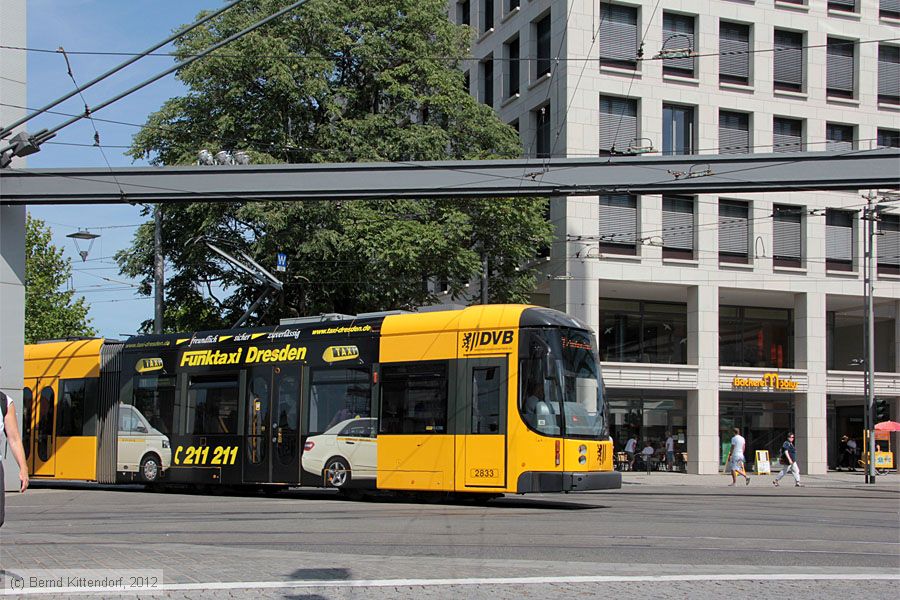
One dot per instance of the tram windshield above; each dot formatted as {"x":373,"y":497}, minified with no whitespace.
{"x":562,"y":388}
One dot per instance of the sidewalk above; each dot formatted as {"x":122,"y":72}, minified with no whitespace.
{"x":831,"y":479}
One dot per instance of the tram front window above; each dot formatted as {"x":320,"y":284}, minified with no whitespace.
{"x":584,"y":407}
{"x":562,"y":391}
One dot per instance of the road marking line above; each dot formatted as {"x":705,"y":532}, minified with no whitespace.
{"x":382,"y":583}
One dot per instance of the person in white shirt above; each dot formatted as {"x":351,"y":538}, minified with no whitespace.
{"x":630,"y":448}
{"x":10,"y":427}
{"x":736,"y":457}
{"x":670,"y":451}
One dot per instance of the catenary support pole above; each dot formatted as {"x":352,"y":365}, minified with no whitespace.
{"x":159,"y":274}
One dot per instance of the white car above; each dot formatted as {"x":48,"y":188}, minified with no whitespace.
{"x":141,"y":448}
{"x":346,"y":451}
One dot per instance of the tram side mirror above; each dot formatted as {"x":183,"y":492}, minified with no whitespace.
{"x":541,"y":350}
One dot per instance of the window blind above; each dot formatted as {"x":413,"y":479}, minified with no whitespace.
{"x":787,"y":232}
{"x":787,"y":135}
{"x":618,"y":122}
{"x":789,"y":59}
{"x":839,"y":235}
{"x":678,"y":223}
{"x":734,"y":51}
{"x":618,"y":219}
{"x":678,"y":33}
{"x":889,"y":73}
{"x":734,"y":132}
{"x":839,"y":66}
{"x":618,"y":34}
{"x":734,"y":237}
{"x":889,"y":240}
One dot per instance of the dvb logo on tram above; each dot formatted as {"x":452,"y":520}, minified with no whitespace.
{"x":473,"y":341}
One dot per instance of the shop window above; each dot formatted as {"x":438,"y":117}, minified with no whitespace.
{"x":648,"y":416}
{"x":788,"y":236}
{"x":840,"y":68}
{"x":756,"y":337}
{"x":734,"y":53}
{"x":414,"y":398}
{"x":678,"y":227}
{"x":788,"y":58}
{"x":678,"y":35}
{"x":618,"y":124}
{"x":618,"y":38}
{"x":337,"y":395}
{"x":647,"y":332}
{"x":212,"y":404}
{"x":840,"y":239}
{"x":889,"y":244}
{"x":618,"y":223}
{"x":764,"y":418}
{"x":543,"y":50}
{"x":787,"y":135}
{"x":844,"y":343}
{"x":76,"y":412}
{"x":889,"y":74}
{"x":734,"y":231}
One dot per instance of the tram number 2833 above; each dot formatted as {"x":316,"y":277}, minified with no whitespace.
{"x":205,"y":455}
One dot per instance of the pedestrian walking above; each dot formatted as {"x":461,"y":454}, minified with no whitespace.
{"x":736,"y":458}
{"x":851,"y":453}
{"x":789,"y":461}
{"x":9,"y":426}
{"x":630,"y":449}
{"x":670,"y":451}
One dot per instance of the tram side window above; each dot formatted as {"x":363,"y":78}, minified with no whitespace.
{"x":154,"y":397}
{"x":212,"y":404}
{"x":76,"y":412}
{"x":414,"y":398}
{"x":337,"y":395}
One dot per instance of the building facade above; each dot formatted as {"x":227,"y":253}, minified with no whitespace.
{"x":12,"y":223}
{"x":712,"y":311}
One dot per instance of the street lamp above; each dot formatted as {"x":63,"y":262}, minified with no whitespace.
{"x":85,"y":236}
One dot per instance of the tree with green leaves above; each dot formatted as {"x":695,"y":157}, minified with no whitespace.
{"x":334,"y":81}
{"x":50,"y":311}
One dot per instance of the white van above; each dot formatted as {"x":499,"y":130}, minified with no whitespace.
{"x":141,"y":448}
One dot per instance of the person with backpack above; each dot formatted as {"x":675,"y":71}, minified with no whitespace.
{"x":789,"y":461}
{"x":10,"y":427}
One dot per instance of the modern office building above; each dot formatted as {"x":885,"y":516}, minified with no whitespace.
{"x":712,"y":311}
{"x":12,"y":222}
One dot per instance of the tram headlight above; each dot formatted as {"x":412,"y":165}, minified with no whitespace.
{"x":582,"y":460}
{"x":582,"y":449}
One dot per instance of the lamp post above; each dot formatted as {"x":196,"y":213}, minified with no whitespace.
{"x":870,"y":216}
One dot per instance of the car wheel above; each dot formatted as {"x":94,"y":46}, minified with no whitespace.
{"x":337,"y":473}
{"x":150,"y":469}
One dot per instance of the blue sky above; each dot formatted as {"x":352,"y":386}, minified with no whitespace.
{"x":100,"y":26}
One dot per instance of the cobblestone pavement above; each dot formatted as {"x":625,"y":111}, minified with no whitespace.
{"x":707,"y":538}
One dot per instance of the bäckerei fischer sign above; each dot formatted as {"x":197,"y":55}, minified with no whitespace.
{"x":768,"y":382}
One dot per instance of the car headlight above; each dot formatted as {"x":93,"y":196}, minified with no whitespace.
{"x":165,"y":443}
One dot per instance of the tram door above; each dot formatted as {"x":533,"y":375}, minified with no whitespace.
{"x":485,"y":423}
{"x":272,"y":426}
{"x":40,"y":410}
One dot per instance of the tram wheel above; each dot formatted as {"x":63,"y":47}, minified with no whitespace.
{"x":337,"y":473}
{"x":150,"y":468}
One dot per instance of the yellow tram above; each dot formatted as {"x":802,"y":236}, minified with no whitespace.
{"x":488,"y":399}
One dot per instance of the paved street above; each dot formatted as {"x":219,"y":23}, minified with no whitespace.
{"x":663,"y":535}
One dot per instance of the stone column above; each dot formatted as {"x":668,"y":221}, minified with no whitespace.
{"x":12,"y":317}
{"x":703,"y":403}
{"x":574,"y":269}
{"x":809,"y":409}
